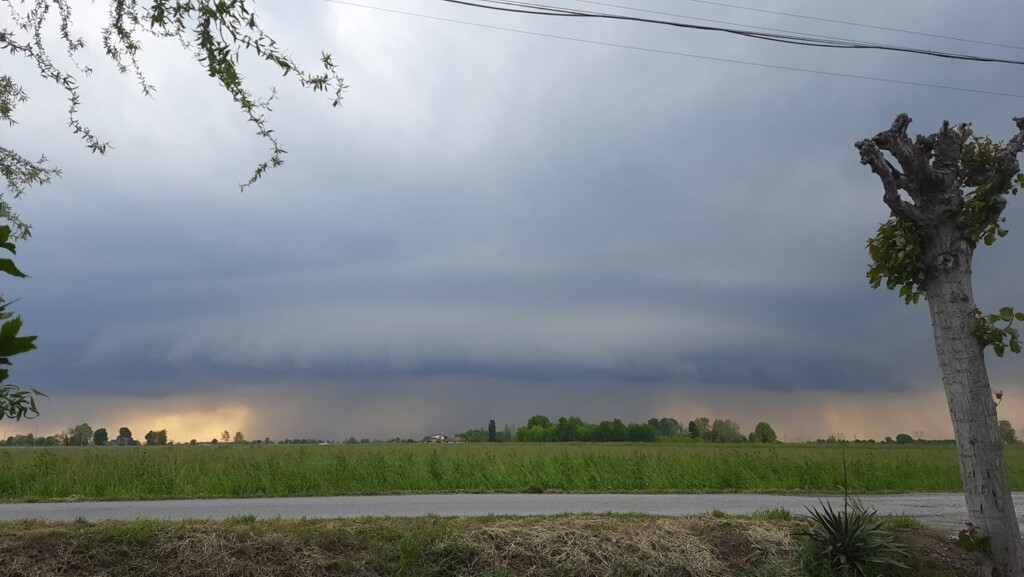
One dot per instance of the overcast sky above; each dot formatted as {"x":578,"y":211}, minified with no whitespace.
{"x":498,"y":224}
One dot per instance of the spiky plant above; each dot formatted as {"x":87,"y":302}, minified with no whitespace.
{"x":850,"y":543}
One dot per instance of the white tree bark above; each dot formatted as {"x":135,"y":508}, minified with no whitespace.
{"x":971,"y":407}
{"x":934,"y":178}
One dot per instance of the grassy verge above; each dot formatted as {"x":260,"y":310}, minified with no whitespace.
{"x":624,"y":545}
{"x":98,"y":473}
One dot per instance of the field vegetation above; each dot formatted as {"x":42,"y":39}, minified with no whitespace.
{"x":624,"y":545}
{"x":183,"y":471}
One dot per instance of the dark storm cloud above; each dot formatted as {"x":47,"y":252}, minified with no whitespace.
{"x":495,"y":208}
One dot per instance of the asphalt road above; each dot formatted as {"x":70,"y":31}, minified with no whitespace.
{"x":944,"y":511}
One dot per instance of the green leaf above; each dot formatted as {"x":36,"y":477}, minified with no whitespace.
{"x":1006,"y":314}
{"x":7,"y":266}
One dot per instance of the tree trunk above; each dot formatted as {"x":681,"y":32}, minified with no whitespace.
{"x":969,"y":394}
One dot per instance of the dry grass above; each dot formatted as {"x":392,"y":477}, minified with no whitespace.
{"x":569,"y":545}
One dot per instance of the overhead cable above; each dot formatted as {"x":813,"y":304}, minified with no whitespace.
{"x":681,"y":54}
{"x":831,"y":20}
{"x":518,"y":7}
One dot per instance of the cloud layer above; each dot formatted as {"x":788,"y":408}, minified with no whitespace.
{"x":590,"y":227}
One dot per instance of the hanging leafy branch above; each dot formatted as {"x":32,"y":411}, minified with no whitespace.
{"x":214,"y":32}
{"x":15,"y":403}
{"x":1000,"y":338}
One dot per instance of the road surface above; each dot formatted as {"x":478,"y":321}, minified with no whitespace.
{"x":944,"y":511}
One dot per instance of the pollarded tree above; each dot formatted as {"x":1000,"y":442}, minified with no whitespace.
{"x":947,"y":192}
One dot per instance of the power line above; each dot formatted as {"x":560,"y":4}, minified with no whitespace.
{"x":519,"y":7}
{"x":631,"y":8}
{"x":833,"y":21}
{"x":681,"y":54}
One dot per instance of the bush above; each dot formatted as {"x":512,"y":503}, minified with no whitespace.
{"x":849,"y":543}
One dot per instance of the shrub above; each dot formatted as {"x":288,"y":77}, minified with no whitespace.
{"x":849,"y":543}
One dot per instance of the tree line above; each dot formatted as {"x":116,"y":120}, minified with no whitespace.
{"x":541,"y":429}
{"x":83,"y":435}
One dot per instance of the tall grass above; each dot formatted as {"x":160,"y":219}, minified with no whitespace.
{"x":250,"y":471}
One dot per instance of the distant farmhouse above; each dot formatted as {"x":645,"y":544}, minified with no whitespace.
{"x":124,"y":442}
{"x":442,"y":438}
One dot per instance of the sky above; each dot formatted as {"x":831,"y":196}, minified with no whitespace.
{"x":496,"y":224}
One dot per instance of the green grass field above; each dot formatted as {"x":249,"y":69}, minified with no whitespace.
{"x":99,"y":473}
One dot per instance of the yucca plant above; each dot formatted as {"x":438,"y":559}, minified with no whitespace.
{"x":851,"y":543}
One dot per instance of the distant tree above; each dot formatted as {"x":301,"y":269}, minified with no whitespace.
{"x":99,"y":437}
{"x":492,"y":431}
{"x":225,"y":437}
{"x":538,"y":421}
{"x":192,"y":442}
{"x":535,"y":434}
{"x":156,"y":437}
{"x":641,"y":433}
{"x":506,"y":434}
{"x":703,"y":426}
{"x":1007,"y":434}
{"x":889,"y":441}
{"x":693,"y":430}
{"x":763,"y":433}
{"x":666,"y":427}
{"x":903,"y":439}
{"x":568,"y":429}
{"x":475,"y":436}
{"x":78,"y":436}
{"x":725,"y":431}
{"x":124,"y":432}
{"x":239,"y":437}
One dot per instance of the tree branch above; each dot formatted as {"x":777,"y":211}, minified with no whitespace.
{"x":871,"y":155}
{"x":1005,"y":165}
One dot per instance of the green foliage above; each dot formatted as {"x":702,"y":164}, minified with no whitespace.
{"x":850,"y":543}
{"x":897,"y":250}
{"x":904,"y":439}
{"x":100,"y":437}
{"x":776,"y":514}
{"x":897,"y":258}
{"x":156,"y":437}
{"x":1007,"y":434}
{"x":15,"y":403}
{"x":725,"y":431}
{"x":693,"y":430}
{"x":763,"y":433}
{"x":979,"y":217}
{"x":901,"y":522}
{"x":538,"y":421}
{"x":989,"y":332}
{"x":78,"y":436}
{"x":124,"y":432}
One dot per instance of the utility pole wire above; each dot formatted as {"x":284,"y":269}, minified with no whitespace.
{"x":830,"y":20}
{"x":677,"y":15}
{"x":545,"y":10}
{"x":681,"y":54}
